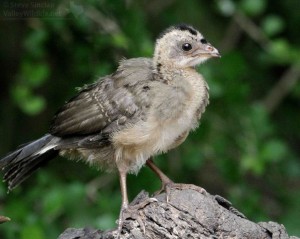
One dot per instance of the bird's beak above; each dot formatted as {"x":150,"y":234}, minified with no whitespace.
{"x":212,"y":50}
{"x":207,"y":50}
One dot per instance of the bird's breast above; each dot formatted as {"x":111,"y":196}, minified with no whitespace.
{"x":174,"y":112}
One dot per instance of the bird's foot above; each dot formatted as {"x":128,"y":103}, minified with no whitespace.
{"x":132,"y":211}
{"x":165,"y":184}
{"x":180,"y":186}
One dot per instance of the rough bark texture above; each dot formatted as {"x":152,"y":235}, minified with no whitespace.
{"x":190,"y":213}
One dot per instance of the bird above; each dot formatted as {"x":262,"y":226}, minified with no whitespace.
{"x":120,"y":122}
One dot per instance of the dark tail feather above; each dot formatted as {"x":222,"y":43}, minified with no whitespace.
{"x":20,"y":164}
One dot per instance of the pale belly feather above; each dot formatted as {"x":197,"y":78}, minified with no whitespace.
{"x":136,"y":144}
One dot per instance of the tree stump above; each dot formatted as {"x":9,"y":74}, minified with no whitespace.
{"x":189,"y":213}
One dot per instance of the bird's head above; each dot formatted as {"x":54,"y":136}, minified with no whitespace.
{"x":183,"y":46}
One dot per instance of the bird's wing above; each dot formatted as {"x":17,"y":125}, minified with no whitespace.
{"x":108,"y":104}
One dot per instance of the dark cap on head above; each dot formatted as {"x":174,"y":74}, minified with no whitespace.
{"x":181,"y":27}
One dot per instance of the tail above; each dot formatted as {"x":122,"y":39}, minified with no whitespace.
{"x":20,"y":164}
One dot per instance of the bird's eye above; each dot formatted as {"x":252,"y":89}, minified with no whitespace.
{"x":186,"y":47}
{"x":203,"y":41}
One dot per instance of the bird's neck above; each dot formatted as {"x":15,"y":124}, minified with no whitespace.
{"x":168,"y":72}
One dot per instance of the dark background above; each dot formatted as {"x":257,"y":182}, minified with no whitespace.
{"x":247,"y":146}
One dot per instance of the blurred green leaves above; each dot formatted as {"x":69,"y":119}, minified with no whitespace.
{"x":269,"y":153}
{"x":120,"y":40}
{"x":226,"y":7}
{"x":283,"y":52}
{"x":35,"y":74}
{"x":260,"y":147}
{"x":273,"y":25}
{"x":31,"y":76}
{"x":32,"y":231}
{"x":253,"y":7}
{"x":250,"y":7}
{"x":34,"y":43}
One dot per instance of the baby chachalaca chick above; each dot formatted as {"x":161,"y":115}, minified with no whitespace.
{"x":147,"y":107}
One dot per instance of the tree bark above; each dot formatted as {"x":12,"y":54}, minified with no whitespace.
{"x":189,"y":213}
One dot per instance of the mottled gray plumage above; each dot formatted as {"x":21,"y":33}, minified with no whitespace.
{"x":148,"y":106}
{"x":110,"y":103}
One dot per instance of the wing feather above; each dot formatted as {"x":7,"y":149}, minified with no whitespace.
{"x":99,"y":105}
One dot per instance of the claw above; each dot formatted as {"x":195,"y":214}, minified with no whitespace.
{"x":132,"y":211}
{"x":167,"y":184}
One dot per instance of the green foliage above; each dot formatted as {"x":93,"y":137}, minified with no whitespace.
{"x":226,"y":7}
{"x":32,"y":231}
{"x":283,"y":52}
{"x":28,"y":102}
{"x":243,"y":150}
{"x":273,"y":25}
{"x":253,"y":7}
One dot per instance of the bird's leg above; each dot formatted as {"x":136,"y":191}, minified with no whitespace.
{"x":163,"y":178}
{"x":123,"y":184}
{"x":124,"y":206}
{"x":168,"y":184}
{"x":130,"y":211}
